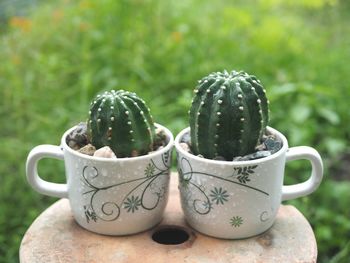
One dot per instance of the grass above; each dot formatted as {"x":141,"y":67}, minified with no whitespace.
{"x":55,"y":60}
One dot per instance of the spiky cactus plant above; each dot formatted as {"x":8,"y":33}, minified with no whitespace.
{"x":122,"y":121}
{"x":228,"y":116}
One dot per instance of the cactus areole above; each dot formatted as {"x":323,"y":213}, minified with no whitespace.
{"x":122,"y":121}
{"x":228,"y":116}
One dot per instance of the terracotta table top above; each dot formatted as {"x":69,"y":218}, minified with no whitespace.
{"x":55,"y":237}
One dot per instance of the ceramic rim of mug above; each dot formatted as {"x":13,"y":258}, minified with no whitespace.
{"x":269,"y":130}
{"x":167,"y":147}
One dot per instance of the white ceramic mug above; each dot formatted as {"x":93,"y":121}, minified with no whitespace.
{"x":240,"y":199}
{"x":108,"y":196}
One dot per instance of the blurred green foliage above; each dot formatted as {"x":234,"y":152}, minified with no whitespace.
{"x":55,"y":60}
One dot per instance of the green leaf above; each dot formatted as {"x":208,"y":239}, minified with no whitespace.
{"x":330,"y":115}
{"x":150,"y":169}
{"x":300,"y":113}
{"x":334,"y":145}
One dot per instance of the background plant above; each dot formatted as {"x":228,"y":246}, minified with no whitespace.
{"x":56,"y":59}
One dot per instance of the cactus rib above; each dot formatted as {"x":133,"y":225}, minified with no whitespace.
{"x":228,"y":116}
{"x":122,"y":121}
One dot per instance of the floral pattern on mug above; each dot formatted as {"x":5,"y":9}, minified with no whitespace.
{"x":149,"y":184}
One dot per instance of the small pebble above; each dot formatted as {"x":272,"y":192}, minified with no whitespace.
{"x":185,"y":146}
{"x":237,"y":158}
{"x":272,"y":144}
{"x":253,"y":156}
{"x":219,"y":158}
{"x":88,"y":150}
{"x":186,"y":138}
{"x":134,"y":153}
{"x":78,"y":137}
{"x":161,"y":138}
{"x":261,"y":147}
{"x":259,"y":155}
{"x":105,"y":152}
{"x":157,"y":149}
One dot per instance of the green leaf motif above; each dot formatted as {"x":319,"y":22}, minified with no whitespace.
{"x":247,"y":170}
{"x":243,"y":179}
{"x":132,"y":204}
{"x":219,"y":196}
{"x":243,"y":173}
{"x":150,"y":169}
{"x":236,"y":221}
{"x":90,"y":214}
{"x":183,"y":181}
{"x":207,"y":205}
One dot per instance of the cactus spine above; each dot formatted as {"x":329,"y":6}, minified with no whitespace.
{"x":228,"y":116}
{"x":122,"y":121}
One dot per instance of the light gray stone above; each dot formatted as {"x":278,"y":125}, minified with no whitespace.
{"x":88,"y":150}
{"x":105,"y":152}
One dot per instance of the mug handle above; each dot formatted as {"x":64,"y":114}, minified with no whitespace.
{"x":40,"y":185}
{"x":309,"y":186}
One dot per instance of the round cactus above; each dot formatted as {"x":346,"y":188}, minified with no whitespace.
{"x":122,"y":121}
{"x":228,"y":116}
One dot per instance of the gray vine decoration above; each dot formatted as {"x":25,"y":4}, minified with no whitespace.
{"x":131,"y":202}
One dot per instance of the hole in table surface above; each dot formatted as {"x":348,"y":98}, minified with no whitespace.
{"x":170,"y":235}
